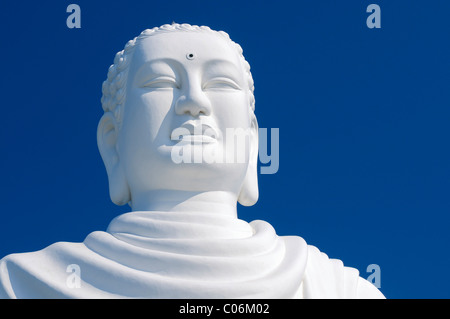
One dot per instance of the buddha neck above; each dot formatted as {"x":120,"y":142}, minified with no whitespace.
{"x":216,"y":202}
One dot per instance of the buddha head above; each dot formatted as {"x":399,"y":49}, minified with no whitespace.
{"x":171,"y":79}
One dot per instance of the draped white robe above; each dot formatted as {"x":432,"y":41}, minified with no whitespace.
{"x":179,"y":255}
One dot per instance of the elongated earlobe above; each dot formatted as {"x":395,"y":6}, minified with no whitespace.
{"x":107,"y":133}
{"x":250,"y":192}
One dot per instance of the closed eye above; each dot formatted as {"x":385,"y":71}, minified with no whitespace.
{"x":161,"y":82}
{"x":221,"y":84}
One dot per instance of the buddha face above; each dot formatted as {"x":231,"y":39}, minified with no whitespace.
{"x":188,"y":88}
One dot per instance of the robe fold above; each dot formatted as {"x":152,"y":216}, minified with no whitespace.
{"x":181,"y":255}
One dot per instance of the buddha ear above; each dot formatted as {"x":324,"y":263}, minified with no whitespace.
{"x":249,"y":192}
{"x":107,"y":134}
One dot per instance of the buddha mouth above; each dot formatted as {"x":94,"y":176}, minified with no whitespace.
{"x":197,"y":139}
{"x":195,"y":132}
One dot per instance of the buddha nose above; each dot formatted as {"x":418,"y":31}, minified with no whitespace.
{"x":194,"y":102}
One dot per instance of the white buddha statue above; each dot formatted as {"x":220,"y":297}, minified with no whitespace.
{"x":182,"y":238}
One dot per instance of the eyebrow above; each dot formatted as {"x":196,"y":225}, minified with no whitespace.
{"x":220,"y":66}
{"x":147,"y":70}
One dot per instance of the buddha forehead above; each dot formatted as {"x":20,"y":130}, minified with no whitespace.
{"x":186,"y":48}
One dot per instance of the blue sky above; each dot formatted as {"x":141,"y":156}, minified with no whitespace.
{"x":363,"y":116}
